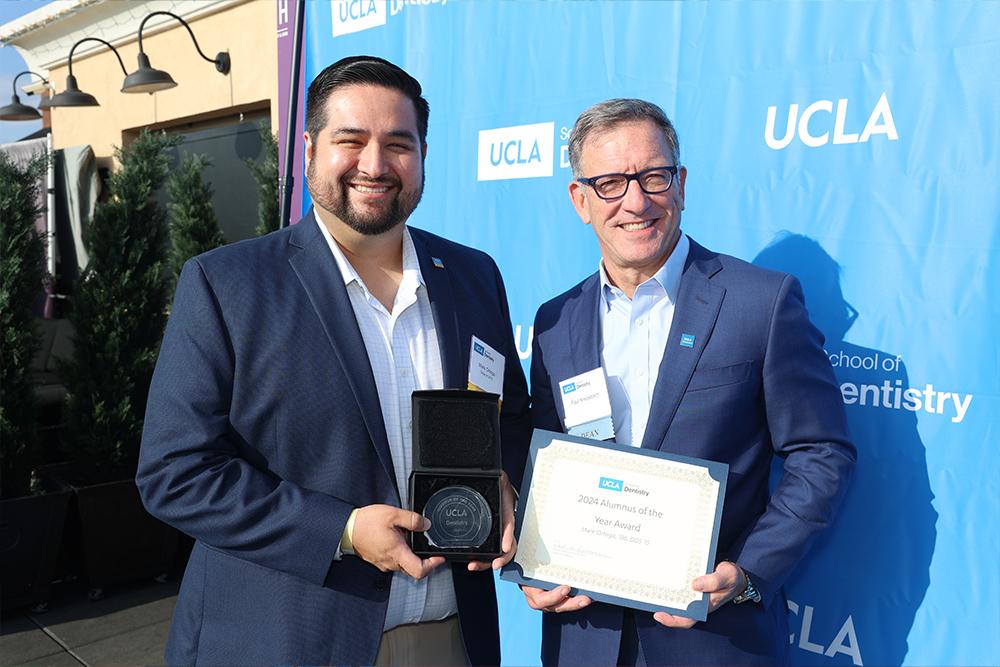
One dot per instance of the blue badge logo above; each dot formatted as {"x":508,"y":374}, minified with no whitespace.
{"x":569,"y":388}
{"x":479,"y":349}
{"x":437,"y":262}
{"x":687,"y":340}
{"x":610,"y":484}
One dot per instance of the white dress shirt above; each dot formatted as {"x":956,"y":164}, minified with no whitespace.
{"x":403,"y":350}
{"x":633,"y":336}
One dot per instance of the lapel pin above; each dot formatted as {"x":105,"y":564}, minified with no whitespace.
{"x":687,"y":340}
{"x":437,"y":262}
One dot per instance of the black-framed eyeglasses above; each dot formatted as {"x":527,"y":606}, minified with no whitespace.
{"x":653,"y":181}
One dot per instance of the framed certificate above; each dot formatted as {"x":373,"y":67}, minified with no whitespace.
{"x":623,"y":525}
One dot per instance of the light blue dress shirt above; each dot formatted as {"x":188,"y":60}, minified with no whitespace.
{"x":633,"y":336}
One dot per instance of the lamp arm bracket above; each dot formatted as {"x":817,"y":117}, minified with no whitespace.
{"x":13,"y":84}
{"x":221,"y":60}
{"x":95,"y":39}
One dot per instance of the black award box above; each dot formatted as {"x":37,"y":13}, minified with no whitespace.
{"x":456,"y":474}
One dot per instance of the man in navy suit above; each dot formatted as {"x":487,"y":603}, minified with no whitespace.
{"x":277,"y":431}
{"x":705,"y":356}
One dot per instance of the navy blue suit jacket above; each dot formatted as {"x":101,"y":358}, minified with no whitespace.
{"x":263,"y":431}
{"x":755,"y":384}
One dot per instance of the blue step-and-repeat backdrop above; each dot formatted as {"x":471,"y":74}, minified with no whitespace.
{"x":854,"y":145}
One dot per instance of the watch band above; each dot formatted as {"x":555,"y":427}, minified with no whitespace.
{"x":750,"y":593}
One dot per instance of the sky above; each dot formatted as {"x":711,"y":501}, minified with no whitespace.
{"x":10,"y":64}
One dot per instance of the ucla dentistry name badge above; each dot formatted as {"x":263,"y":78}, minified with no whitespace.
{"x":587,"y":406}
{"x":486,"y":367}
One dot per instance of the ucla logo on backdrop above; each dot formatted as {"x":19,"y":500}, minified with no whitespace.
{"x":821,"y":121}
{"x":523,"y":351}
{"x":396,"y":6}
{"x":610,"y":484}
{"x":357,"y":15}
{"x":829,"y":644}
{"x":520,"y":151}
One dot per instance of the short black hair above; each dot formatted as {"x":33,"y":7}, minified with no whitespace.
{"x":369,"y":70}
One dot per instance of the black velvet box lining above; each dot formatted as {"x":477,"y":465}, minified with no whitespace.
{"x":456,"y":429}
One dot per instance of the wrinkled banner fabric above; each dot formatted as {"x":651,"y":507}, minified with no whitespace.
{"x":853,"y":145}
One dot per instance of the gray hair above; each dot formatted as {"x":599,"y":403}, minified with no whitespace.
{"x":610,"y":113}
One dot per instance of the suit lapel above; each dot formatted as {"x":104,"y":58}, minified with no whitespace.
{"x":317,"y":270}
{"x":437,"y":276}
{"x":585,"y":335}
{"x":697,"y":309}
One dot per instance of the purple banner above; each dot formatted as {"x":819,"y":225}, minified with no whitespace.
{"x":285,"y":20}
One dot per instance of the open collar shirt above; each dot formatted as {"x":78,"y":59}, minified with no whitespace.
{"x":633,"y":336}
{"x":405,"y":356}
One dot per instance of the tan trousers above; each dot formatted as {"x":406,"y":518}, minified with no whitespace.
{"x":431,"y":643}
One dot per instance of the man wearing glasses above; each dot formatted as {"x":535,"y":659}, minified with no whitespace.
{"x":705,"y":356}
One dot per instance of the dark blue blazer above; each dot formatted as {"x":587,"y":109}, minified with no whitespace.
{"x":263,"y":431}
{"x":756,"y":385}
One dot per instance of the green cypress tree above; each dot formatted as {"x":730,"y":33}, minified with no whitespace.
{"x":265,"y":172}
{"x":194,"y":229}
{"x":118,"y":315}
{"x":21,"y":274}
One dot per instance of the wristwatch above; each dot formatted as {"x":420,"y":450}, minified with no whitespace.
{"x":750,"y":593}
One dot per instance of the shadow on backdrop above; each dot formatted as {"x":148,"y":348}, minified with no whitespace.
{"x":855,"y":596}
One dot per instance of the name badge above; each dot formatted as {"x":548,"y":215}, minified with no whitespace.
{"x":486,"y":367}
{"x":587,"y":406}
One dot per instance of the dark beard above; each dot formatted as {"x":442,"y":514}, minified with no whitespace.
{"x":335,"y":200}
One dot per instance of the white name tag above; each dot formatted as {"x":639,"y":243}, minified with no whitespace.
{"x":587,"y":406}
{"x":486,"y":367}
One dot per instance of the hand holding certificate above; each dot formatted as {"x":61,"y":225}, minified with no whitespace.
{"x":622,"y":525}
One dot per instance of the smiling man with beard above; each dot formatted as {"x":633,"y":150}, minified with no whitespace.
{"x":277,"y":431}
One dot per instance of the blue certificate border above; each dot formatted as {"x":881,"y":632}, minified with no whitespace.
{"x":540,"y":439}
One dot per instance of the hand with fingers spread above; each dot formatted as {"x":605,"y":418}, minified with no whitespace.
{"x":557,"y":600}
{"x":378,"y":537}
{"x":722,"y":586}
{"x":507,"y":542}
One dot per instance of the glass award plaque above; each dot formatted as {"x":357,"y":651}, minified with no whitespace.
{"x":460,"y":517}
{"x":456,"y":474}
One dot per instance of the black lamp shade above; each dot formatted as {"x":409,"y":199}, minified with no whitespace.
{"x":17,"y":111}
{"x":146,"y":79}
{"x":73,"y":96}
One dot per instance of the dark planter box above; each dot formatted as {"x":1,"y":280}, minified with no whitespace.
{"x":122,"y":542}
{"x":118,"y":540}
{"x":31,"y":530}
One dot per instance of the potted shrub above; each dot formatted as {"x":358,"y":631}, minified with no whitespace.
{"x":118,"y":316}
{"x":31,"y":512}
{"x":265,"y":172}
{"x":194,"y":229}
